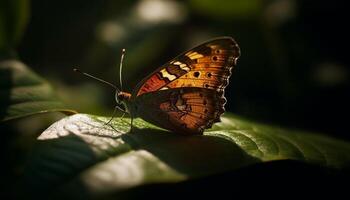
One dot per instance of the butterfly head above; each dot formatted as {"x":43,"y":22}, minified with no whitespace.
{"x":121,"y":97}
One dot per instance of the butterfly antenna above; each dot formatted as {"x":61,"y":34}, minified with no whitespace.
{"x":95,"y":78}
{"x":121,"y":69}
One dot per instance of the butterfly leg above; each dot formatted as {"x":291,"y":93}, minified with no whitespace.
{"x":121,"y":118}
{"x":114,"y":112}
{"x":131,"y":123}
{"x":124,"y":112}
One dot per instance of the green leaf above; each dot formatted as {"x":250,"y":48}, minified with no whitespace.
{"x":13,"y":20}
{"x":81,"y":153}
{"x":23,"y":93}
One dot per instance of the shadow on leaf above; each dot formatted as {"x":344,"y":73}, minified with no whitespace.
{"x":54,"y":162}
{"x":196,"y":155}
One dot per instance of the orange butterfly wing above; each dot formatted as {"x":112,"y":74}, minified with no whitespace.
{"x":187,"y":93}
{"x":184,"y":110}
{"x":206,"y":66}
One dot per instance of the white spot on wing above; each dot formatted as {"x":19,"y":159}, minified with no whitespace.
{"x":166,"y":74}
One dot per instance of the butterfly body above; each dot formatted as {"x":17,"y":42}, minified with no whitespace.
{"x":186,"y":95}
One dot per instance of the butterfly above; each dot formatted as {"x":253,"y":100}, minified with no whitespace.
{"x":185,"y":95}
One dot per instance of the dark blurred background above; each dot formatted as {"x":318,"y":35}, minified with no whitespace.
{"x":294,"y":68}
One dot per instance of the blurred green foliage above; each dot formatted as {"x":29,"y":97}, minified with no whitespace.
{"x":14,"y":15}
{"x":24,"y":93}
{"x":229,"y":10}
